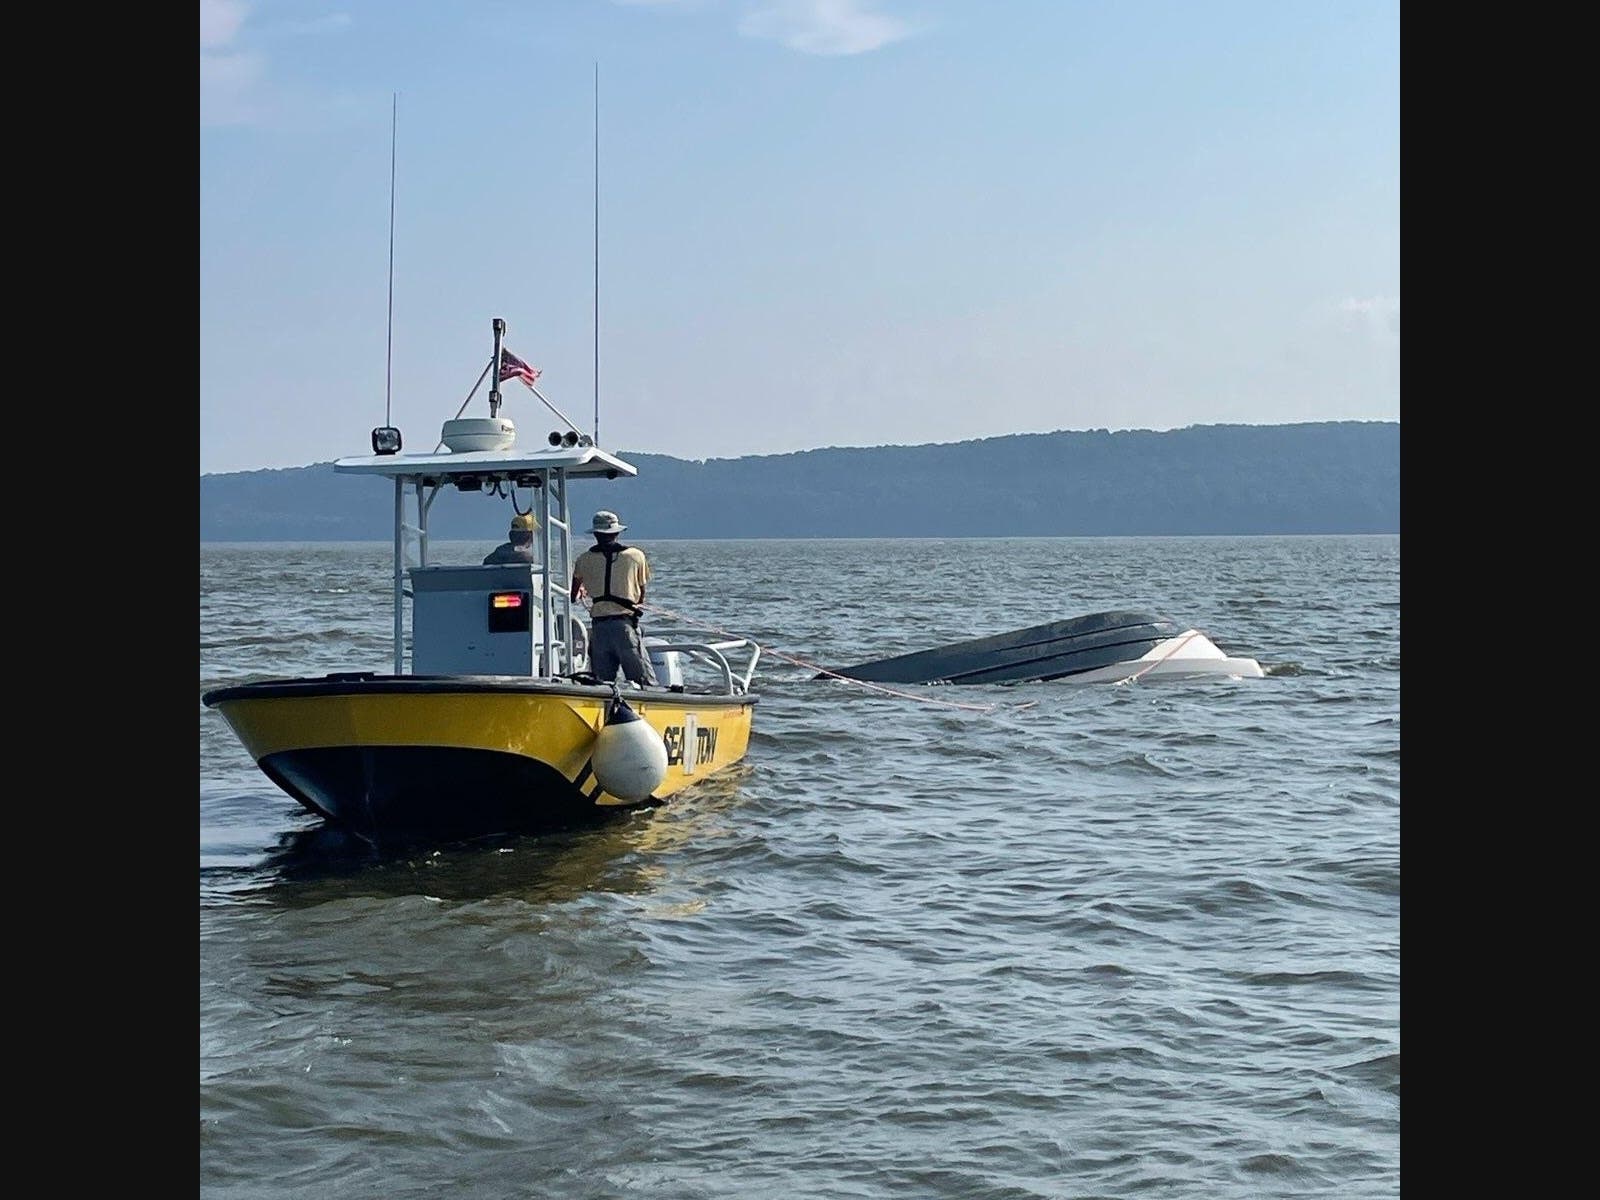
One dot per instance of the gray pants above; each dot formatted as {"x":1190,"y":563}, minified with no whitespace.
{"x":615,"y":645}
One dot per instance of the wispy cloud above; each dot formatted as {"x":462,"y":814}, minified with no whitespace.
{"x":235,"y":88}
{"x":332,"y":23}
{"x":824,"y":26}
{"x":809,"y":26}
{"x":1380,"y":313}
{"x":220,"y":21}
{"x":229,"y":77}
{"x":319,"y":24}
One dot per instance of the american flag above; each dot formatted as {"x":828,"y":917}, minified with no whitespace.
{"x":512,"y":367}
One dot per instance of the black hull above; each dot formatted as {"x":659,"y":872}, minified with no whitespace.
{"x":439,"y":791}
{"x":1054,"y":650}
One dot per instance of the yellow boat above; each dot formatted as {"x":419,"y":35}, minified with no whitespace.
{"x":498,"y":724}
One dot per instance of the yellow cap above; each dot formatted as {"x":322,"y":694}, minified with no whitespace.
{"x":525,"y":522}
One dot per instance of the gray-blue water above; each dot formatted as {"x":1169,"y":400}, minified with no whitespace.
{"x":1127,"y":941}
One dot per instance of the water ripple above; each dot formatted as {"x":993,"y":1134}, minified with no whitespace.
{"x":1119,"y":942}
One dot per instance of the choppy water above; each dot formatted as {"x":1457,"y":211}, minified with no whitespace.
{"x":1129,"y":941}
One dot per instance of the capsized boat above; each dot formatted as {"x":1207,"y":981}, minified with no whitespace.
{"x":497,"y":726}
{"x":1099,"y":648}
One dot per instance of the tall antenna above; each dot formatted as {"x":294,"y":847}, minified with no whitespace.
{"x":597,"y":252}
{"x":388,"y":368}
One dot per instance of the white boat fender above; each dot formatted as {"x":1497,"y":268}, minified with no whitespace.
{"x":629,"y":759}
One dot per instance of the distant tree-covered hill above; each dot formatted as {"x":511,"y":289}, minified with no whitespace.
{"x":1331,"y":477}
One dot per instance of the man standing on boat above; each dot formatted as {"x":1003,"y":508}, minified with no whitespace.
{"x":519,"y":546}
{"x":614,"y":576}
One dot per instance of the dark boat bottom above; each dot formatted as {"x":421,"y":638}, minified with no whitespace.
{"x":1053,"y":650}
{"x":441,"y":791}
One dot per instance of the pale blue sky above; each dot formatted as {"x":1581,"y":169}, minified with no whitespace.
{"x":823,"y":222}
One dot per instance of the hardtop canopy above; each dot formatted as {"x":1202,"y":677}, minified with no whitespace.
{"x":579,"y":462}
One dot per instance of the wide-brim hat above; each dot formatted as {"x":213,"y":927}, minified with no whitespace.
{"x":606,"y":522}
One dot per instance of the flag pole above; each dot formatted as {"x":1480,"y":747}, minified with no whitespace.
{"x":552,"y":407}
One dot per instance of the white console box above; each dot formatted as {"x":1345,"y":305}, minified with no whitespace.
{"x":458,"y":629}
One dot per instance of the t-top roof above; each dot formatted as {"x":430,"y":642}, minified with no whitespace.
{"x":579,"y":461}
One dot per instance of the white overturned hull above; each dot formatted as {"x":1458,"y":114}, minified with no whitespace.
{"x":1190,"y":655}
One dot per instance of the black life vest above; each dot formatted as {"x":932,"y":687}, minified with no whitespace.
{"x":610,"y":553}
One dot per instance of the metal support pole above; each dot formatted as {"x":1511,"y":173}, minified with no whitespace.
{"x":565,"y":520}
{"x":422,"y":526}
{"x":549,"y":616}
{"x":494,"y":379}
{"x":399,"y":575}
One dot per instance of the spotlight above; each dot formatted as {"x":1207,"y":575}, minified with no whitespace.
{"x":385,"y":440}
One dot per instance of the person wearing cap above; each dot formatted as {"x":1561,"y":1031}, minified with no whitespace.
{"x":519,"y":546}
{"x":614,"y":576}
